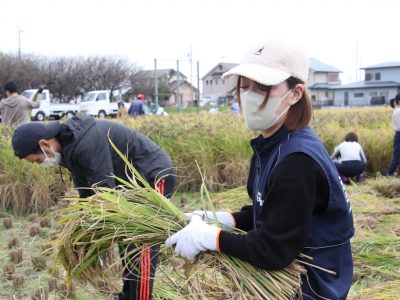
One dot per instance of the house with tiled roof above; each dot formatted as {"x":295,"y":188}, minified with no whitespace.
{"x":168,"y":87}
{"x":321,"y":77}
{"x":187,"y":93}
{"x":217,"y":89}
{"x":381,"y":83}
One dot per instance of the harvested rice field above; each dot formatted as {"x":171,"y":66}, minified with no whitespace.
{"x":27,"y":272}
{"x":30,"y":196}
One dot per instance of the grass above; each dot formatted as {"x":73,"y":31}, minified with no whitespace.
{"x":376,"y":245}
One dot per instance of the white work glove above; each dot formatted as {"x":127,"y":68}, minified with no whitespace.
{"x":194,"y":238}
{"x":226,"y":219}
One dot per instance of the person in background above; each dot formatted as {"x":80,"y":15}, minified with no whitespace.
{"x":213,"y":111}
{"x":396,"y":140}
{"x":299,"y":204}
{"x":122,"y":111}
{"x":235,"y":108}
{"x":82,"y":146}
{"x":161,"y":111}
{"x":136,"y":108}
{"x":14,"y":109}
{"x":391,"y":103}
{"x":349,"y":158}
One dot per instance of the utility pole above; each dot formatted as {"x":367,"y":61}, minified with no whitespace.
{"x":356,"y":62}
{"x":155,"y":83}
{"x":198,"y":87}
{"x":177,"y":86}
{"x":191,"y":73}
{"x":19,"y":43}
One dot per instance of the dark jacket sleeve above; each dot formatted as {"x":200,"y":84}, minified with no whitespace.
{"x":296,"y":189}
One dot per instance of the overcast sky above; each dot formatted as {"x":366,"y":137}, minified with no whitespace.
{"x":215,"y":30}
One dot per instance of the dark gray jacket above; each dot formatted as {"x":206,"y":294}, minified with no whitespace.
{"x":89,"y":156}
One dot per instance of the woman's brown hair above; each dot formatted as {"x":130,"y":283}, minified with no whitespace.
{"x":351,"y":137}
{"x":299,"y":114}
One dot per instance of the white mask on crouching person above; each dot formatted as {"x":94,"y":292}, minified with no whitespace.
{"x":51,"y":161}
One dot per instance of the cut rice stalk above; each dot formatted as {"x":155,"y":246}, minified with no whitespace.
{"x":136,"y":214}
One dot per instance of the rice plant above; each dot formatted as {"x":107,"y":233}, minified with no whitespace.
{"x":7,"y":223}
{"x":26,"y":187}
{"x":8,"y":271}
{"x":41,"y":294}
{"x":39,"y":263}
{"x":45,"y":222}
{"x":52,"y":283}
{"x":16,"y":256}
{"x":32,"y":217}
{"x":221,"y":145}
{"x":34,"y":230}
{"x":136,"y":214}
{"x":13,"y":243}
{"x":233,"y":199}
{"x":18,"y":280}
{"x":379,"y":253}
{"x":67,"y":291}
{"x":46,"y":249}
{"x":387,"y":290}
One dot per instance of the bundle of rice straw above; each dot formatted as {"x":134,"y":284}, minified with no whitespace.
{"x":136,"y":214}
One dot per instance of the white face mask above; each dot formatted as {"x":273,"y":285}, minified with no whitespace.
{"x":51,"y":161}
{"x":257,"y":119}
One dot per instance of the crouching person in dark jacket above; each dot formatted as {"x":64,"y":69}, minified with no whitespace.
{"x":81,"y":145}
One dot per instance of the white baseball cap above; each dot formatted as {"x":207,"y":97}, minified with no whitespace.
{"x":273,"y":62}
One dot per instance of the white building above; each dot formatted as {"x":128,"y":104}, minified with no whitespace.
{"x":382,"y":83}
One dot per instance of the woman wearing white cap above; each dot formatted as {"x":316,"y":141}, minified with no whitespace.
{"x":299,"y":204}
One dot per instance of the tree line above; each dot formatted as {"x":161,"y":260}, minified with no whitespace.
{"x":68,"y":78}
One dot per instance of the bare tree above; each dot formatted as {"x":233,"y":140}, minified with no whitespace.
{"x":67,"y":77}
{"x":106,"y":73}
{"x":25,"y":73}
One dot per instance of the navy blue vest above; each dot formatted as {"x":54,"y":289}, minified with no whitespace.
{"x":330,"y":230}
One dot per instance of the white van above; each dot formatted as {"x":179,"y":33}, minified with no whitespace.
{"x":47,"y":109}
{"x":98,"y":104}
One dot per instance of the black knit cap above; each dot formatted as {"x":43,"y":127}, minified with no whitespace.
{"x":26,"y":138}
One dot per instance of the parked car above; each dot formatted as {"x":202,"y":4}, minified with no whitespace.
{"x":378,"y":100}
{"x":207,"y":101}
{"x":48,"y":109}
{"x":99,"y":104}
